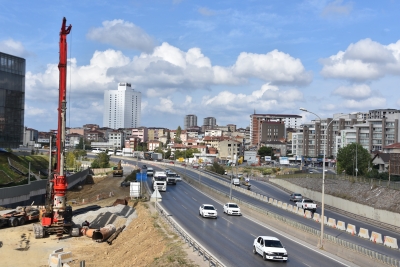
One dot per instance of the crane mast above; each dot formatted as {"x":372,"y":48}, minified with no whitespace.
{"x":57,"y":217}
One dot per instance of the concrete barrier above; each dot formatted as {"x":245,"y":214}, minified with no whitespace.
{"x":332,"y":222}
{"x":284,"y":206}
{"x":325,"y":220}
{"x":279,"y":204}
{"x":295,"y":209}
{"x":290,"y":207}
{"x":275,"y":203}
{"x":390,"y":242}
{"x":270,"y":200}
{"x":307,"y":214}
{"x":376,"y":238}
{"x":351,"y":229}
{"x":341,"y":226}
{"x":316,"y":217}
{"x":363,"y":233}
{"x":300,"y":212}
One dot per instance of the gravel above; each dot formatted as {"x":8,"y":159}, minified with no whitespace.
{"x":117,"y":215}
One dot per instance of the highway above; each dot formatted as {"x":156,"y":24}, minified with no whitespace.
{"x":271,"y":191}
{"x":230,"y":238}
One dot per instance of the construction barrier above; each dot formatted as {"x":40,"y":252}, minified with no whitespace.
{"x":332,"y":222}
{"x":300,"y":212}
{"x":325,"y":220}
{"x":341,"y":226}
{"x":316,"y":217}
{"x":376,"y":237}
{"x":391,"y":242}
{"x":351,"y":229}
{"x":363,"y":233}
{"x":290,"y":207}
{"x":308,"y":214}
{"x":295,"y":209}
{"x":59,"y":258}
{"x":270,"y":200}
{"x":284,"y":206}
{"x":279,"y":204}
{"x":275,"y":202}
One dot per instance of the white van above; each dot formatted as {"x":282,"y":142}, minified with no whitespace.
{"x":96,"y":150}
{"x":118,"y":152}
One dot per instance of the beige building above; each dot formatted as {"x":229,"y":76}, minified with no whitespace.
{"x":229,"y":149}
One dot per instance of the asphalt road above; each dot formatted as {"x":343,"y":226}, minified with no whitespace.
{"x":230,"y":238}
{"x":271,"y":191}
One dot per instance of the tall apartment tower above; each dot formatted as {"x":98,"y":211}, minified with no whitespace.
{"x":190,"y":121}
{"x":122,"y":107}
{"x":12,"y":100}
{"x":209,"y":122}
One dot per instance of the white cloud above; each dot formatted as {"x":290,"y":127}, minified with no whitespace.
{"x":166,"y":105}
{"x":12,"y":47}
{"x":363,"y":61}
{"x":275,"y":66}
{"x":122,"y":34}
{"x":328,"y":107}
{"x":206,"y":11}
{"x":369,"y":103}
{"x":358,"y":91}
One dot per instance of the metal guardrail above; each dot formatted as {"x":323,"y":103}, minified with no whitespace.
{"x":367,"y":252}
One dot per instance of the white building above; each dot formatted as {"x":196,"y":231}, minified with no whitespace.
{"x":122,"y":107}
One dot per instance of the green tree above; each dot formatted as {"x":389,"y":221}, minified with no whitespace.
{"x":217,"y":168}
{"x":168,"y":138}
{"x":167,"y":154}
{"x":177,"y":139}
{"x":102,"y":160}
{"x":70,"y":160}
{"x":347,"y":161}
{"x":266,"y":151}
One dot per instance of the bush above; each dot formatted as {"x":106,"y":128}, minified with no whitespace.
{"x":217,"y":168}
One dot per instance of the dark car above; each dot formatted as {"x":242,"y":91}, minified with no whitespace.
{"x":144,"y":167}
{"x":125,"y":184}
{"x":295,"y":197}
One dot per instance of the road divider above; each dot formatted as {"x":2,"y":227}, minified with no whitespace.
{"x":332,"y":222}
{"x":279,"y":204}
{"x":341,"y":225}
{"x":391,"y":242}
{"x":300,"y":211}
{"x":307,"y":214}
{"x":316,"y":217}
{"x":363,"y":233}
{"x":376,"y":238}
{"x":270,"y":200}
{"x":284,"y":206}
{"x":275,"y":203}
{"x":351,"y":229}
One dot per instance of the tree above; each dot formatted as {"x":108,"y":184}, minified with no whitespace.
{"x":102,"y":160}
{"x":177,"y":138}
{"x":347,"y":161}
{"x":168,"y":138}
{"x":266,"y":151}
{"x":70,"y":160}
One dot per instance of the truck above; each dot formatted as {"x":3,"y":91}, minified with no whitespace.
{"x":150,"y":171}
{"x":118,"y":170}
{"x":19,"y":216}
{"x":307,"y":204}
{"x":157,"y":156}
{"x":236,"y":181}
{"x":171,"y":178}
{"x":160,"y":181}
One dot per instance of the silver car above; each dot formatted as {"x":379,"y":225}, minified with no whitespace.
{"x":295,"y":197}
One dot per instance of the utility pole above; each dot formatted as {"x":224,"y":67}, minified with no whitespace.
{"x":230,"y":188}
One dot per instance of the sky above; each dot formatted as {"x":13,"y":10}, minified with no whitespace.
{"x":225,"y":59}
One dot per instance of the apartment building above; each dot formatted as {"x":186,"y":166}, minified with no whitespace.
{"x":190,"y":121}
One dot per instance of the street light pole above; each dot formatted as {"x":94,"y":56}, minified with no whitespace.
{"x":230,"y":187}
{"x":321,"y":243}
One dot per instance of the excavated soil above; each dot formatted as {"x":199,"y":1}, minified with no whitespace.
{"x":146,"y":240}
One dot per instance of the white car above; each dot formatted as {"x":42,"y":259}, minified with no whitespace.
{"x":232,"y":209}
{"x":270,"y":248}
{"x":208,"y":210}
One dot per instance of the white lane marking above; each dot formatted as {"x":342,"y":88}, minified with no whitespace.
{"x":194,"y":199}
{"x":174,"y":198}
{"x":184,"y":207}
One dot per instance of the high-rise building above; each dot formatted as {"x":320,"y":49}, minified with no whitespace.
{"x":122,"y":107}
{"x":258,"y":120}
{"x":190,"y":121}
{"x":209,"y":122}
{"x":12,"y":100}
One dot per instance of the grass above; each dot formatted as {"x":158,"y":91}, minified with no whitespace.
{"x":9,"y":177}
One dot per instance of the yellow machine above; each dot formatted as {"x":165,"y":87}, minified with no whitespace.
{"x":119,"y":170}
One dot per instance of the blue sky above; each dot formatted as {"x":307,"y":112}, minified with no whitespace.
{"x":222,"y":59}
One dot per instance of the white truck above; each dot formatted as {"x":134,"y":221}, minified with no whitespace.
{"x":171,"y":178}
{"x":236,"y":181}
{"x":150,"y":171}
{"x":307,"y":204}
{"x":160,"y":181}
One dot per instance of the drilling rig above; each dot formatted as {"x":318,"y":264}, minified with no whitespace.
{"x":56,"y":216}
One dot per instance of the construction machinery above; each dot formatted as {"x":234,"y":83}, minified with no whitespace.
{"x":19,"y":216}
{"x":56,"y":216}
{"x":118,"y":170}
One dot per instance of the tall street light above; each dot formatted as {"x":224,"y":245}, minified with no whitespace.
{"x":321,"y":244}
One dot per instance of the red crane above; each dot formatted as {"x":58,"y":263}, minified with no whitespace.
{"x":56,"y":217}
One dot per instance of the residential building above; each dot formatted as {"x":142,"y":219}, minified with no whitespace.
{"x":140,"y":133}
{"x":12,"y":100}
{"x":213,"y":132}
{"x":153,"y":144}
{"x":209,"y":122}
{"x":229,"y":150}
{"x":72,"y":140}
{"x":190,"y":121}
{"x":122,"y":107}
{"x":257,"y":120}
{"x":231,"y":127}
{"x":116,"y":138}
{"x":154,"y":133}
{"x":31,"y":136}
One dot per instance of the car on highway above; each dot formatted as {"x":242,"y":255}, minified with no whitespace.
{"x":295,"y":197}
{"x":195,"y":166}
{"x":208,"y":210}
{"x":270,"y":248}
{"x":144,"y":167}
{"x":232,"y":209}
{"x":125,"y":184}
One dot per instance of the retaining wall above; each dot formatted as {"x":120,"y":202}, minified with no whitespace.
{"x":356,"y":208}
